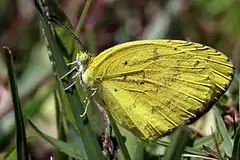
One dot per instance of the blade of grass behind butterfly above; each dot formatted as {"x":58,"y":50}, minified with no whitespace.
{"x":60,"y":145}
{"x":120,"y":141}
{"x":91,"y":41}
{"x":52,"y":9}
{"x":91,"y":146}
{"x":190,"y":150}
{"x":88,"y":137}
{"x":62,"y":135}
{"x":95,"y":117}
{"x":72,"y":127}
{"x":62,"y":29}
{"x":177,"y":145}
{"x":21,"y":141}
{"x":238,"y":80}
{"x":227,"y":142}
{"x":135,"y":147}
{"x":236,"y":145}
{"x":208,"y":141}
{"x":212,"y":142}
{"x":82,"y":17}
{"x":11,"y":153}
{"x":64,"y":102}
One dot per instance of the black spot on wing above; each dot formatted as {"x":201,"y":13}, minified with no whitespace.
{"x":141,"y":82}
{"x":125,"y":77}
{"x":196,"y":63}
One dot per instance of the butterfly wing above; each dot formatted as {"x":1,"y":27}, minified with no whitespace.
{"x":151,"y":87}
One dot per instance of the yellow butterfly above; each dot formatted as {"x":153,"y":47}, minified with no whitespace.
{"x":150,"y":87}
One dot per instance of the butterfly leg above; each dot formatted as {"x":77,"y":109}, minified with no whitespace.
{"x":67,"y":75}
{"x":69,"y":72}
{"x":87,"y":101}
{"x":70,"y":86}
{"x":82,"y":84}
{"x":71,"y":63}
{"x":76,"y":74}
{"x":77,"y":61}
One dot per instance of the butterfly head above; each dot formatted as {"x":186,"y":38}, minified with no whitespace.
{"x":82,"y":60}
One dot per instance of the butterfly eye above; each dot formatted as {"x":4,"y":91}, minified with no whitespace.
{"x":83,"y":57}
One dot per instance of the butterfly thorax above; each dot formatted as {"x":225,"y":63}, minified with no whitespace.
{"x":89,"y":76}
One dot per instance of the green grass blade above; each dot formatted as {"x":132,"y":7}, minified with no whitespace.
{"x":83,"y":15}
{"x":175,"y":149}
{"x":84,"y":129}
{"x":227,"y":142}
{"x":64,"y":102}
{"x":20,"y":130}
{"x":91,"y":41}
{"x":135,"y":147}
{"x":187,"y":149}
{"x":11,"y":155}
{"x":60,"y":145}
{"x":64,"y":39}
{"x":236,"y":146}
{"x":120,"y":141}
{"x":207,"y":141}
{"x":62,"y":135}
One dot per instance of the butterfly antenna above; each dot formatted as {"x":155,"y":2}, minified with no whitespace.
{"x":68,"y":30}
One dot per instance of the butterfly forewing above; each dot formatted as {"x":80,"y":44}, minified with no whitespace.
{"x":151,"y":87}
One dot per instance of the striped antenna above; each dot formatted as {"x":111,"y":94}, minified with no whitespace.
{"x":68,"y":30}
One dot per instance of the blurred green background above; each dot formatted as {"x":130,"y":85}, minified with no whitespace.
{"x":215,"y":23}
